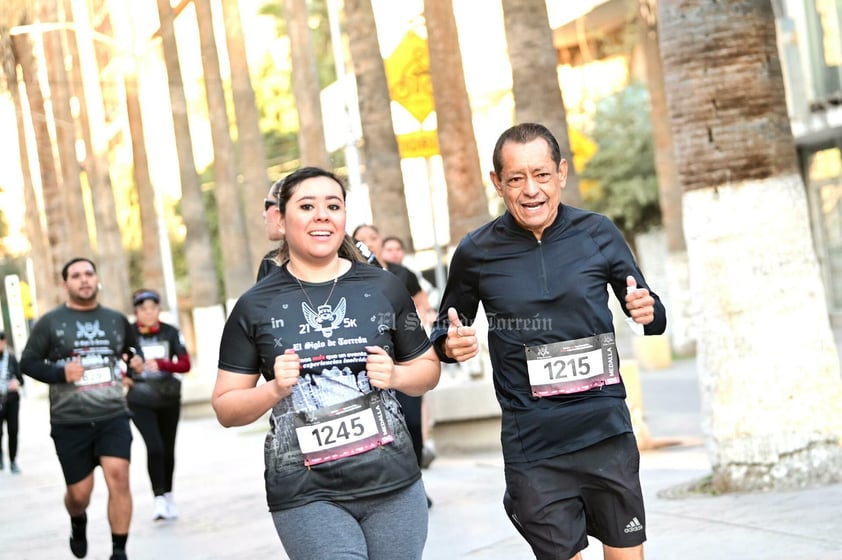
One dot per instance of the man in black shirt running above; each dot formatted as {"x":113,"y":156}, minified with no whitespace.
{"x":541,"y":271}
{"x":78,"y":349}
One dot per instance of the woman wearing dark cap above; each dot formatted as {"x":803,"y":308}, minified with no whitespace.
{"x":155,"y":396}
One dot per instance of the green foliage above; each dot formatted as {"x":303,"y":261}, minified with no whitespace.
{"x":319,"y":34}
{"x":623,"y":168}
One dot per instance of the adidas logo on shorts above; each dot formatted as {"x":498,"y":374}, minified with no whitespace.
{"x":633,"y":526}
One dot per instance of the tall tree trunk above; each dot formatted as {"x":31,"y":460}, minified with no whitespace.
{"x":152,"y":224}
{"x":154,"y":249}
{"x":57,"y":77}
{"x":467,"y":203}
{"x":237,"y":260}
{"x":749,"y":245}
{"x":201,"y":270}
{"x":537,"y":92}
{"x":39,"y":249}
{"x":109,"y":240}
{"x":55,"y":212}
{"x":249,"y":139}
{"x":682,"y":304}
{"x":382,"y":161}
{"x":305,"y":86}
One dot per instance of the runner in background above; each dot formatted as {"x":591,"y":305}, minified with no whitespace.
{"x":154,"y":396}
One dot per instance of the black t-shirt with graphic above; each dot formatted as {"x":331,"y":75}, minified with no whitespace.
{"x":160,"y":388}
{"x":328,"y":325}
{"x":98,"y":338}
{"x":409,"y":279}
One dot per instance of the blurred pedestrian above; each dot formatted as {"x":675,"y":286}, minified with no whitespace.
{"x":11,"y":382}
{"x":329,"y":334}
{"x":370,"y":236}
{"x":79,"y":349}
{"x":413,"y":406}
{"x":154,"y":396}
{"x":541,"y":271}
{"x":393,"y":250}
{"x":273,"y":233}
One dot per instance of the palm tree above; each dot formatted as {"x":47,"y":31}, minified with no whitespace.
{"x":237,"y":259}
{"x":537,"y":93}
{"x":761,"y":352}
{"x":151,"y":221}
{"x":305,"y":86}
{"x":65,"y":133}
{"x":201,"y":270}
{"x":467,"y":202}
{"x":382,"y":160}
{"x":109,"y":240}
{"x":680,"y":302}
{"x":39,"y":249}
{"x":55,"y":211}
{"x":249,"y":139}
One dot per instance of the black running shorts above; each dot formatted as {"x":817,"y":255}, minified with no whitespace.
{"x":556,"y":503}
{"x":79,"y":446}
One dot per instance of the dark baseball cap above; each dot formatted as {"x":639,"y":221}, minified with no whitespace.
{"x":142,"y":295}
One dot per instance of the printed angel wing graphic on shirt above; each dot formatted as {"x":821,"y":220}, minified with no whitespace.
{"x":324,"y":319}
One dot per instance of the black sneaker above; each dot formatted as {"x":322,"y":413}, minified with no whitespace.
{"x":119,"y":555}
{"x":428,"y":455}
{"x":78,"y":538}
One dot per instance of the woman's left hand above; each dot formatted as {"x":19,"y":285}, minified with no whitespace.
{"x":379,"y":367}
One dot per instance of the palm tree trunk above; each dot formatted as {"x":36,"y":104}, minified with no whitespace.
{"x":150,"y":221}
{"x":382,"y":162}
{"x":249,"y":139}
{"x":760,"y":350}
{"x":467,"y":202}
{"x":154,"y":249}
{"x":109,"y":240}
{"x":39,"y":250}
{"x":65,"y":132}
{"x":305,"y":86}
{"x":237,"y":260}
{"x":201,"y":271}
{"x":55,"y":212}
{"x":537,"y":93}
{"x":682,"y":305}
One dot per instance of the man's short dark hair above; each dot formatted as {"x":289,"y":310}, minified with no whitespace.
{"x":395,"y":238}
{"x":73,"y":261}
{"x":525,"y":133}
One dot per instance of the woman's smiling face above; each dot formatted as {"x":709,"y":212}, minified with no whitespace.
{"x":314,"y":220}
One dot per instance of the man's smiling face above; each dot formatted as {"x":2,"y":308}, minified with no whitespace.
{"x":530,"y":184}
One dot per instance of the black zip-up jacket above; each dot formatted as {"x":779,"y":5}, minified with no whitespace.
{"x":540,"y":292}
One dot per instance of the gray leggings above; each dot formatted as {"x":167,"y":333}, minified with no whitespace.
{"x":387,"y":527}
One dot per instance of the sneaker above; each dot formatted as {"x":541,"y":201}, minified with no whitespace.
{"x":78,"y":538}
{"x":428,"y":455}
{"x":119,"y":555}
{"x":13,"y":467}
{"x":160,"y":511}
{"x":172,"y":510}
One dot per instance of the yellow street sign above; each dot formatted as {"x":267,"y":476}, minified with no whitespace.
{"x":408,"y":75}
{"x":424,"y":143}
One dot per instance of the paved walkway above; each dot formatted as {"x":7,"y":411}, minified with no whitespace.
{"x":219,"y":488}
